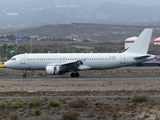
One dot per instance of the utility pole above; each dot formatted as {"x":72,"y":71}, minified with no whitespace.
{"x":30,"y":41}
{"x":6,"y":51}
{"x":30,"y":45}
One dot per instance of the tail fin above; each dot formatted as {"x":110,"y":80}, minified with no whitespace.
{"x":142,"y":43}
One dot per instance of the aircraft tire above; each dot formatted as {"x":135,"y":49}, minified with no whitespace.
{"x":77,"y":74}
{"x":24,"y":75}
{"x":74,"y":74}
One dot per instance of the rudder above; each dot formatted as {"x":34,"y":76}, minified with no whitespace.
{"x":141,"y":45}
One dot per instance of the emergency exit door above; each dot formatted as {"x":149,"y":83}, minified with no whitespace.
{"x":123,"y":59}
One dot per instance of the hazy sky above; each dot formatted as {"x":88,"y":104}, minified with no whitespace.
{"x":136,"y":2}
{"x":152,"y":2}
{"x":40,"y":12}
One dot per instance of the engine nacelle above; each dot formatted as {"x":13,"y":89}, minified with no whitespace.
{"x":53,"y":70}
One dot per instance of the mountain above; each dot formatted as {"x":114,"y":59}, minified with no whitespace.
{"x":147,"y":3}
{"x":126,"y":13}
{"x":25,"y":13}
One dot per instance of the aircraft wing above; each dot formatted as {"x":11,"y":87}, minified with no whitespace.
{"x":72,"y":65}
{"x":69,"y":63}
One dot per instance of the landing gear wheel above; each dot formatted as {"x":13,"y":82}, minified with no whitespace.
{"x":77,"y":74}
{"x":24,"y":75}
{"x":74,"y":74}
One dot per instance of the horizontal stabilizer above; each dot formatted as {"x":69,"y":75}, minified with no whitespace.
{"x":142,"y":57}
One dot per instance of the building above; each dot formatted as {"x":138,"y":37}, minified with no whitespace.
{"x":157,"y":41}
{"x":129,"y":42}
{"x":35,"y":37}
{"x":73,"y":37}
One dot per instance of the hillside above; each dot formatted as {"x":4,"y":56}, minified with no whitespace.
{"x":98,"y":32}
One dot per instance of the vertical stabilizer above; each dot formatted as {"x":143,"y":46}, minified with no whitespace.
{"x":141,"y":45}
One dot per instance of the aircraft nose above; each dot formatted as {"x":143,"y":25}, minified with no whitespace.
{"x":6,"y":64}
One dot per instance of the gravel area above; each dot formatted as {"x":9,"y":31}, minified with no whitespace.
{"x":79,"y":85}
{"x":113,"y":95}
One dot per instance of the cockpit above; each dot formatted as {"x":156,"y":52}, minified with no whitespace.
{"x":13,"y":59}
{"x":13,"y":63}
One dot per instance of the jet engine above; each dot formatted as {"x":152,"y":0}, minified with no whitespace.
{"x":53,"y":70}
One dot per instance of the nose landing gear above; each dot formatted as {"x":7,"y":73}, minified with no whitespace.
{"x":24,"y":75}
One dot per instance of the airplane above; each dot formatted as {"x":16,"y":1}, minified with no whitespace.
{"x":61,"y":63}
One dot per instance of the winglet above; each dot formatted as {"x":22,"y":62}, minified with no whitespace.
{"x":141,"y":45}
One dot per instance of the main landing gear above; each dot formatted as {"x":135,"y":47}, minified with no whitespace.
{"x":24,"y":75}
{"x":73,"y":74}
{"x":76,"y":74}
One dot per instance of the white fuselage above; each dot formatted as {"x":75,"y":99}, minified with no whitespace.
{"x":56,"y":64}
{"x":91,"y":61}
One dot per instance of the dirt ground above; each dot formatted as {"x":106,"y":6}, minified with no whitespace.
{"x":113,"y":95}
{"x":79,"y":85}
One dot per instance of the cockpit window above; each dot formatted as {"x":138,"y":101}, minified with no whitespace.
{"x":13,"y":58}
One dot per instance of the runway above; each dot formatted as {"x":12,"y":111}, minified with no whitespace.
{"x":139,"y":73}
{"x":83,"y":78}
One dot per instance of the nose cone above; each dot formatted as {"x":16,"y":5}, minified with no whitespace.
{"x":6,"y":64}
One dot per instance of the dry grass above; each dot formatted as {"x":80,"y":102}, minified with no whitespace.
{"x":70,"y":115}
{"x":34,"y":102}
{"x":53,"y":103}
{"x":77,"y":103}
{"x":37,"y":112}
{"x":139,"y":98}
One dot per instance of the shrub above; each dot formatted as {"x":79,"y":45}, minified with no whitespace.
{"x":16,"y":99}
{"x":16,"y":102}
{"x":34,"y":102}
{"x":53,"y":103}
{"x":139,"y":98}
{"x":14,"y":117}
{"x":97,"y":102}
{"x":77,"y":103}
{"x":91,"y":115}
{"x":38,"y":112}
{"x":70,"y":115}
{"x":2,"y":104}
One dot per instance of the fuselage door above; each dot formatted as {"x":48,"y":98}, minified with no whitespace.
{"x":123,"y":59}
{"x":22,"y":59}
